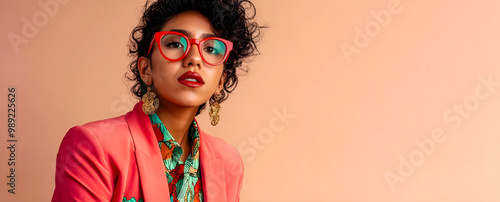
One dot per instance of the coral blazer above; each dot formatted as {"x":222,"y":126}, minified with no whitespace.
{"x":119,"y":159}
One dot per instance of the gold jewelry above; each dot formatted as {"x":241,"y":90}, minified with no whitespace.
{"x":214,"y":110}
{"x":150,"y":102}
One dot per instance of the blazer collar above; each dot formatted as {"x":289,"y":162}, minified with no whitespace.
{"x":150,"y":163}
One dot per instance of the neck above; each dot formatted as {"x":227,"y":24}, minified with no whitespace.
{"x":176,"y":119}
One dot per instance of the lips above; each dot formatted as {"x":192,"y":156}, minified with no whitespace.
{"x":191,"y":79}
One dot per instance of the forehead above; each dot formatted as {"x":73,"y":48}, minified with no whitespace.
{"x":193,"y":22}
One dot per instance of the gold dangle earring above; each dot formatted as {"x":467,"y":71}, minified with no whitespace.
{"x":214,"y":109}
{"x":150,"y":102}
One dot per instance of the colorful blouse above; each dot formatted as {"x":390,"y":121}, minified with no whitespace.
{"x":184,"y":178}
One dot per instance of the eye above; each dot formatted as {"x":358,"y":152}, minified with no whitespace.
{"x":211,"y":50}
{"x":214,"y":47}
{"x":174,"y":42}
{"x":174,"y":45}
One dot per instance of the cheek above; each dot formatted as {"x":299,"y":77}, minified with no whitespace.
{"x":215,"y":75}
{"x":165,"y":72}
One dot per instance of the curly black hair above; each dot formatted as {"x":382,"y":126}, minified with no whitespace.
{"x":229,"y":20}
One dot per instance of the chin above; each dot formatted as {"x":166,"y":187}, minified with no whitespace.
{"x":186,"y":99}
{"x":190,"y":103}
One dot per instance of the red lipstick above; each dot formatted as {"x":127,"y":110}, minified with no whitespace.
{"x":191,"y":79}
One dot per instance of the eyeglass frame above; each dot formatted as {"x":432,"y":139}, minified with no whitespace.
{"x":158,"y":35}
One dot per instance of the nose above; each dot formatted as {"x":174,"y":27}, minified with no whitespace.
{"x":193,"y":57}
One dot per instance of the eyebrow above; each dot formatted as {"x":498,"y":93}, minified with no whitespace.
{"x":204,"y":35}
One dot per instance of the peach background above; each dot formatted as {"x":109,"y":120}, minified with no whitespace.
{"x":355,"y":118}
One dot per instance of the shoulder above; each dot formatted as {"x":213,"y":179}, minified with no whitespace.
{"x":111,"y":126}
{"x":101,"y":130}
{"x":107,"y":137}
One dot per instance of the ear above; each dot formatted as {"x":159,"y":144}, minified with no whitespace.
{"x":145,"y":70}
{"x":222,"y":80}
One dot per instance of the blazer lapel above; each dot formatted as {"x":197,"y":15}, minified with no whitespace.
{"x":147,"y":152}
{"x":212,"y":172}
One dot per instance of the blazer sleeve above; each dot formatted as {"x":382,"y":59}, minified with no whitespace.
{"x":82,"y":170}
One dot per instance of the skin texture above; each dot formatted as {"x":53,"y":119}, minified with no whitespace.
{"x":179,"y":103}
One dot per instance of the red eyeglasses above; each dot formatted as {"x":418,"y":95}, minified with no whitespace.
{"x":174,"y":46}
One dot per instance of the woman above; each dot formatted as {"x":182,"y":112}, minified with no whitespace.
{"x":185,"y":53}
